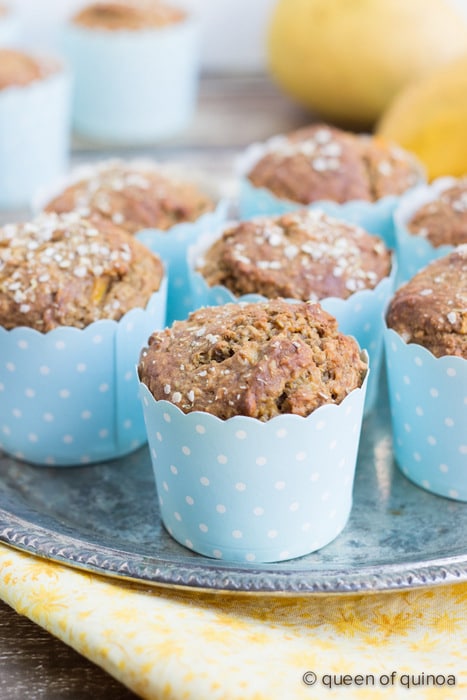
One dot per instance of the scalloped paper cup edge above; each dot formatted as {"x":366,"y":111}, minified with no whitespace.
{"x":242,"y":490}
{"x":428,"y":400}
{"x":70,"y":396}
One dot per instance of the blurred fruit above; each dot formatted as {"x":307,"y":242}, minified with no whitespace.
{"x":347,"y":59}
{"x":429,"y":118}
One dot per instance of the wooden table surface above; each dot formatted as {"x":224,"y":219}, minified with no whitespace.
{"x":232,"y":112}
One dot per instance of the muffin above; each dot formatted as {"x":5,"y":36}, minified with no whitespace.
{"x":443,"y":221}
{"x":323,"y":162}
{"x":112,"y":48}
{"x":431,"y":309}
{"x":77,"y":300}
{"x":258,"y":360}
{"x":304,"y":255}
{"x":167,"y":210}
{"x":133,"y":195}
{"x":62,"y":270}
{"x":17,"y":69}
{"x":34,"y":125}
{"x":430,"y":222}
{"x":426,"y":349}
{"x":244,"y":405}
{"x":358,"y":177}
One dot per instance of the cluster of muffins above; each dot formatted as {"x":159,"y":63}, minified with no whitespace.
{"x":259,"y":342}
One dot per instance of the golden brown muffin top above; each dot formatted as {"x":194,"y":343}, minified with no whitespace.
{"x":63,"y":270}
{"x":303,"y":255}
{"x":431,"y":308}
{"x":130,"y":16}
{"x":18,"y":69}
{"x":132,"y":195}
{"x":443,"y":221}
{"x":258,"y":360}
{"x":322,"y":162}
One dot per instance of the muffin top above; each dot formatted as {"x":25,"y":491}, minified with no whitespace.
{"x":431,"y":309}
{"x":443,"y":221}
{"x":18,"y":69}
{"x":62,"y":270}
{"x":129,"y":16}
{"x":258,"y":360}
{"x":304,"y":255}
{"x":322,"y":162}
{"x":132,"y":195}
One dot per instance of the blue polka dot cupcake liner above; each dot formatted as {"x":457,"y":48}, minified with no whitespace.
{"x":360,"y":315}
{"x":114,"y":101}
{"x":428,"y":401}
{"x":415,"y":252}
{"x":172,"y":247}
{"x":34,"y":137}
{"x":245,"y":491}
{"x":70,"y":396}
{"x":375,"y":217}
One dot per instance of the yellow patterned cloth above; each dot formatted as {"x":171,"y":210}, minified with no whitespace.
{"x":171,"y":645}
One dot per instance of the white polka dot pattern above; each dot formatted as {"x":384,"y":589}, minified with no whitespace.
{"x":429,"y":417}
{"x":241,"y":492}
{"x":83,"y":408}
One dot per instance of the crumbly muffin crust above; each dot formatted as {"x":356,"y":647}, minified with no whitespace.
{"x":431,"y":309}
{"x":258,"y":360}
{"x":19,"y":69}
{"x":304,"y":255}
{"x":443,"y":221}
{"x":133,"y":196}
{"x":130,"y":16}
{"x":323,"y":162}
{"x":68,"y":271}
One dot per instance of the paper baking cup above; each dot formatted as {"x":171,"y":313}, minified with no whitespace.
{"x":360,"y":315}
{"x":34,"y":137}
{"x":9,"y":28}
{"x":246,"y":491}
{"x":70,"y":396}
{"x":375,"y":217}
{"x":172,"y":247}
{"x":415,"y":252}
{"x":133,"y":87}
{"x":428,"y":400}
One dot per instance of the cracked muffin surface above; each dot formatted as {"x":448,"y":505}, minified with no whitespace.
{"x":304,"y":255}
{"x":63,"y":270}
{"x":259,"y":360}
{"x":431,"y":309}
{"x":443,"y":221}
{"x":133,"y":195}
{"x":321,"y":162}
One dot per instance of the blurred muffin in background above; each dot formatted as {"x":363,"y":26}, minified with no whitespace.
{"x":136,"y":70}
{"x":133,"y":195}
{"x":34,"y":124}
